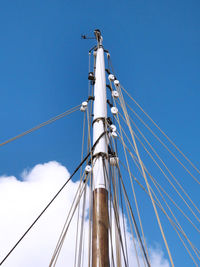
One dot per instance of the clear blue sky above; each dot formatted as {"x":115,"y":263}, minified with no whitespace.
{"x":154,"y":47}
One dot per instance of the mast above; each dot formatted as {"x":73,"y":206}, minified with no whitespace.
{"x":100,"y":249}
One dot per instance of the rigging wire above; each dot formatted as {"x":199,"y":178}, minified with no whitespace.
{"x":160,"y":206}
{"x":115,"y":196}
{"x":135,"y":199}
{"x":115,"y":211}
{"x":167,"y":137}
{"x":165,"y":146}
{"x":129,"y":125}
{"x":89,"y":145}
{"x":186,"y":158}
{"x":77,"y":229}
{"x":66,"y":226}
{"x":82,"y":228}
{"x":145,"y":178}
{"x":51,"y":201}
{"x":132,"y":215}
{"x":123,"y":219}
{"x":146,"y":140}
{"x":118,"y":236}
{"x":164,"y":173}
{"x":111,"y":221}
{"x":60,"y":240}
{"x":169,"y":170}
{"x":189,"y":220}
{"x":62,"y":115}
{"x":90,"y":222}
{"x":118,"y":232}
{"x":136,"y":230}
{"x":194,"y":249}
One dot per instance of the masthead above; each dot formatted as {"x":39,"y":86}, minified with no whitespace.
{"x":98,"y":36}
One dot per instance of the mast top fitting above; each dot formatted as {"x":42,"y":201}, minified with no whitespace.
{"x":98,"y":36}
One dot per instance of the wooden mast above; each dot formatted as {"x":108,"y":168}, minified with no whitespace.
{"x":100,"y":248}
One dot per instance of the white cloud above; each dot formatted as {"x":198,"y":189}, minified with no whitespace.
{"x":22,"y":201}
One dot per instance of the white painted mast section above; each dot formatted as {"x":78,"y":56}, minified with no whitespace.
{"x":100,"y":114}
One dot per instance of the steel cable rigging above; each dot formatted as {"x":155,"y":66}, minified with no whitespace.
{"x":62,"y":115}
{"x":51,"y":201}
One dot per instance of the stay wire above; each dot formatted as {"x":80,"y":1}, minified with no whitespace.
{"x":168,"y":169}
{"x":118,"y":234}
{"x":82,"y":229}
{"x":34,"y":222}
{"x":186,"y":158}
{"x":90,"y":222}
{"x":60,"y":241}
{"x":114,"y":148}
{"x":155,"y":153}
{"x":162,"y":189}
{"x":192,"y":247}
{"x":117,"y":228}
{"x":89,"y":145}
{"x":70,"y":211}
{"x":145,"y":177}
{"x":110,"y":220}
{"x":153,"y":205}
{"x":62,"y":115}
{"x":106,"y":177}
{"x":115,"y":211}
{"x":132,"y":186}
{"x":59,"y":247}
{"x":77,"y":229}
{"x":174,"y":225}
{"x":165,"y":146}
{"x":132,"y":215}
{"x":176,"y":147}
{"x":164,"y":173}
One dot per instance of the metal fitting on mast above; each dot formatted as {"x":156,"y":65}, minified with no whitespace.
{"x":98,"y":36}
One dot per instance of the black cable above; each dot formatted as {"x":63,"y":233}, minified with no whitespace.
{"x":17,"y":243}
